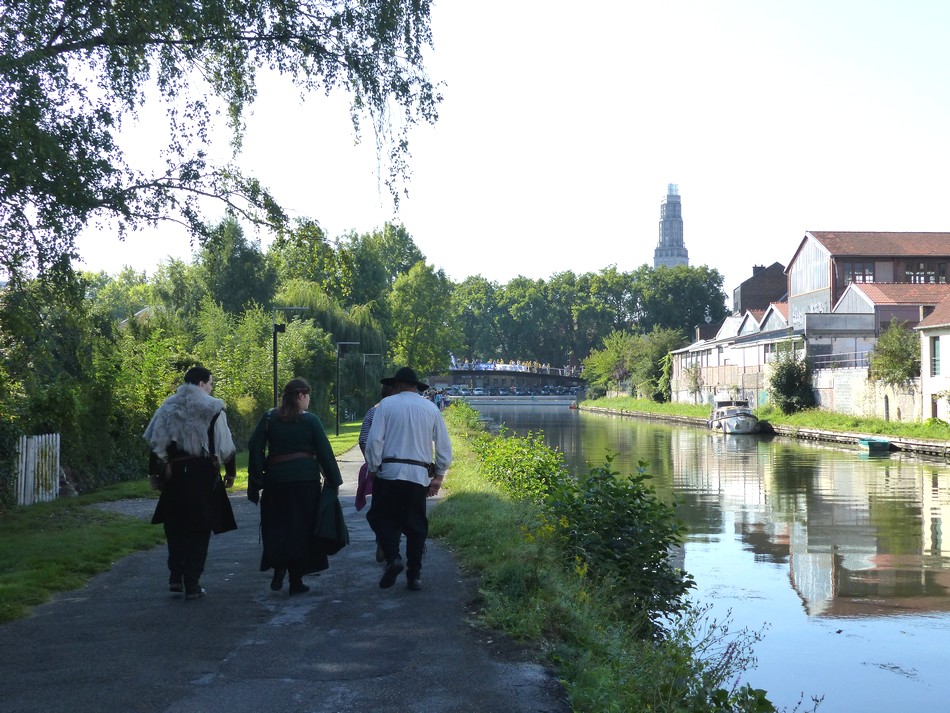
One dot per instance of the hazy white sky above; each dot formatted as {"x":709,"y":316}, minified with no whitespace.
{"x":564,"y":122}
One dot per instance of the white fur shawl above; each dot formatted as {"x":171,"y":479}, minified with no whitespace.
{"x":184,"y":418}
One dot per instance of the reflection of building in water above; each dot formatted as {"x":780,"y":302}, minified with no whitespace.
{"x":873,"y":540}
{"x":861,"y":537}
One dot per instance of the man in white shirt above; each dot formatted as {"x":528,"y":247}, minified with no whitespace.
{"x":408,"y":452}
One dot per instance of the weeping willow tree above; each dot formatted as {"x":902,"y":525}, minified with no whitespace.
{"x":358,"y":339}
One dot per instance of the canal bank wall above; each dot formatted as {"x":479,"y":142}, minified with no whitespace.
{"x":920,"y":446}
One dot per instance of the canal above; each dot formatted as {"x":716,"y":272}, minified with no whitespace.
{"x":836,"y":556}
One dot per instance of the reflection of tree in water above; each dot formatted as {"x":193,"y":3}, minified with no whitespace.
{"x":794,"y":471}
{"x":896,"y":522}
{"x":632,"y":441}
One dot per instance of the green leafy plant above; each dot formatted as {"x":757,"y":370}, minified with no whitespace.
{"x":895,"y":359}
{"x":621,"y":531}
{"x":790,"y":386}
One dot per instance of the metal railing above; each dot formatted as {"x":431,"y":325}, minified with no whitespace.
{"x":844,"y":360}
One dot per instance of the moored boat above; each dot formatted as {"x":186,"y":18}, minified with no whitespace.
{"x":875,"y":445}
{"x":733,"y":416}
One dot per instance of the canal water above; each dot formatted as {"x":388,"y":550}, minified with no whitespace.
{"x":837,"y":556}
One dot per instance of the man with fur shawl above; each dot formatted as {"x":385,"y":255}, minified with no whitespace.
{"x":189,"y":437}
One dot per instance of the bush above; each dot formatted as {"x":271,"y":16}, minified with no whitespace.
{"x":608,"y":527}
{"x":621,"y":531}
{"x":790,"y":385}
{"x":523,"y":466}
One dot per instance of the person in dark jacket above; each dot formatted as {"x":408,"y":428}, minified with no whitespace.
{"x":287,"y":453}
{"x":189,"y":439}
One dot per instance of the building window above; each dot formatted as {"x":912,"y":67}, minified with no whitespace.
{"x":929,"y":273}
{"x":858,"y":271}
{"x":935,"y":356}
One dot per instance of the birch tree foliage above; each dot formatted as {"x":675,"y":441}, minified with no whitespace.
{"x":72,"y":71}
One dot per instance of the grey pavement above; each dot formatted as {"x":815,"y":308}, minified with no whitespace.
{"x":124,"y":643}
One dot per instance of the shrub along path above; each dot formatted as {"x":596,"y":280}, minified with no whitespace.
{"x":124,"y":643}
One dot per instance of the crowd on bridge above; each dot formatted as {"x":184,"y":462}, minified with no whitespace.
{"x":529,"y":367}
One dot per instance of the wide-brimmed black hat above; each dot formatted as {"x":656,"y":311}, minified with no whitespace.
{"x":405,"y":375}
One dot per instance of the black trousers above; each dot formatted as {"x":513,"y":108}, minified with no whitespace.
{"x":187,"y":552}
{"x":399,"y":508}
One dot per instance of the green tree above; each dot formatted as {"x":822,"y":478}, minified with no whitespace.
{"x":647,"y":358}
{"x":613,"y":292}
{"x":147,"y":365}
{"x":119,"y":297}
{"x":475,"y":306}
{"x":523,"y":319}
{"x":423,"y":329}
{"x":71,"y":73}
{"x":571,"y":311}
{"x":303,"y":252}
{"x":235,"y":273}
{"x":608,"y":368}
{"x":238,"y":349}
{"x":53,"y":364}
{"x":677,"y":297}
{"x":368,"y":265}
{"x":790,"y":386}
{"x":895,"y":359}
{"x":396,"y":250}
{"x":177,"y":292}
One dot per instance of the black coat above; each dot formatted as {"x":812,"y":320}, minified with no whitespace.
{"x":194,"y":499}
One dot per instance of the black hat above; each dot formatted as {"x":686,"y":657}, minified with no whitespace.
{"x":405,"y":375}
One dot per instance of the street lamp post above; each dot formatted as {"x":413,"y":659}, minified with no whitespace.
{"x":364,"y":375}
{"x":338,"y":345}
{"x":279,"y":328}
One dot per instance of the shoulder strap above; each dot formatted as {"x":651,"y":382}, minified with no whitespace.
{"x":211,"y":445}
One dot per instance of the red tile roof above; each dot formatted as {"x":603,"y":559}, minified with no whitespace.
{"x":890,"y":293}
{"x":781,"y":308}
{"x":940,"y":317}
{"x":883,"y":244}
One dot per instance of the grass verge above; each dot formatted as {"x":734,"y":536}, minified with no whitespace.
{"x":549,"y":604}
{"x":932,"y":429}
{"x":47,"y":548}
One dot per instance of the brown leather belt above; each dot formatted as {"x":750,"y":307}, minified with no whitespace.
{"x":283,"y":457}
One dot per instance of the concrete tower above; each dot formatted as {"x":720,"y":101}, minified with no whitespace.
{"x":670,"y":250}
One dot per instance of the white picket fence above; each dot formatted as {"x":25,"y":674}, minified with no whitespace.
{"x":37,"y":469}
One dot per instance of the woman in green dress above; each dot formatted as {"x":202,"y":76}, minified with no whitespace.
{"x":288,"y":451}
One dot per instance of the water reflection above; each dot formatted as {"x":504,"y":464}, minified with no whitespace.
{"x":804,"y":537}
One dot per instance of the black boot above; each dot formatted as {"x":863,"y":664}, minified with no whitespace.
{"x":393,"y":568}
{"x":297,"y":586}
{"x":277,"y":581}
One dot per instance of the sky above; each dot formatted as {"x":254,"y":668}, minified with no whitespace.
{"x":563,"y":124}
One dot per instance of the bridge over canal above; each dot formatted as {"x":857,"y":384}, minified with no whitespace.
{"x":499,"y":379}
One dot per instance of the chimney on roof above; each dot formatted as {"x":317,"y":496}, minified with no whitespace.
{"x":756,"y":269}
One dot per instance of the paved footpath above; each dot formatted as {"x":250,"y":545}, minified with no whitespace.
{"x":124,"y":644}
